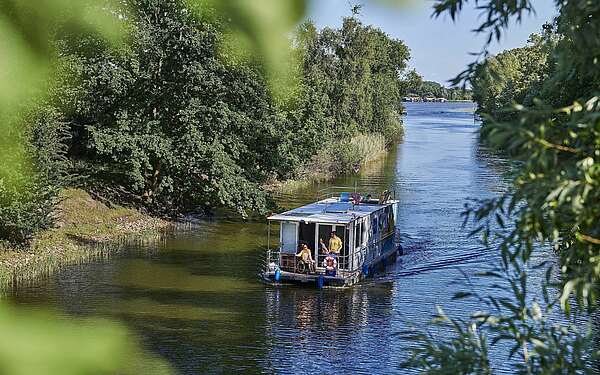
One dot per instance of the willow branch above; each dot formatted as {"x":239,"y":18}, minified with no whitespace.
{"x":589,"y":239}
{"x":558,"y":147}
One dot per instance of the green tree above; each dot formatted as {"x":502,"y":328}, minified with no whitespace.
{"x":417,"y":86}
{"x":356,"y":72}
{"x":32,"y":154}
{"x":173,"y":123}
{"x":170,"y":124}
{"x":413,"y":82}
{"x":514,"y":76}
{"x":29,"y":193}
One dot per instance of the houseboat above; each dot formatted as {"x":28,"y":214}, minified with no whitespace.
{"x":365,"y":226}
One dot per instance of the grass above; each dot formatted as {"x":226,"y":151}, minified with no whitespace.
{"x":85,"y":229}
{"x":336,"y":159}
{"x":363,"y":149}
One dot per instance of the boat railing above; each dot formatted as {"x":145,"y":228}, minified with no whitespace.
{"x":275,"y":257}
{"x":335,"y":191}
{"x":343,"y":261}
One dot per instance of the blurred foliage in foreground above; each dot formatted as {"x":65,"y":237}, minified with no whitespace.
{"x":27,"y":54}
{"x":40,"y":343}
{"x":541,"y":107}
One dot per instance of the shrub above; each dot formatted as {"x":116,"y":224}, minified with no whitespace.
{"x":362,"y":149}
{"x":28,"y":191}
{"x":338,"y":158}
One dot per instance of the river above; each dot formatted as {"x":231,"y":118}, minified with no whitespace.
{"x":195,"y":300}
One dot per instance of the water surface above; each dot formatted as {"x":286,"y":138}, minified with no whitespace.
{"x":196,"y":301}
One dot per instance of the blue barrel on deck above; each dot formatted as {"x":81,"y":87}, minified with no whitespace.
{"x":344,"y":197}
{"x":277,"y":275}
{"x":320,"y":282}
{"x":365,"y":270}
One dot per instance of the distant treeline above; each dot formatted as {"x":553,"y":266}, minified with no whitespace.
{"x":173,"y":121}
{"x":416,"y":86}
{"x":521,"y":75}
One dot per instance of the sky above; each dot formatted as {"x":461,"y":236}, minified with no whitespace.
{"x":439,"y":47}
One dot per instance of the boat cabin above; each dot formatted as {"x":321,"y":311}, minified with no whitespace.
{"x":366,"y":228}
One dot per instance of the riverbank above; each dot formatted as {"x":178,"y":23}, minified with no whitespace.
{"x":335,"y":160}
{"x":85,"y":229}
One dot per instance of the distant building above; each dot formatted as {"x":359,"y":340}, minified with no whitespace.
{"x":411,"y":98}
{"x":427,"y":98}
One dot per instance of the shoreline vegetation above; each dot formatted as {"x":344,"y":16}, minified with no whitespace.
{"x":85,"y":229}
{"x":419,"y":90}
{"x":336,"y":160}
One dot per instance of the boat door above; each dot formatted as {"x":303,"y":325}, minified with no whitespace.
{"x":324,"y":232}
{"x":306,"y":235}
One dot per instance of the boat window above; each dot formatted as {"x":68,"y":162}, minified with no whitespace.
{"x":288,"y":237}
{"x":387,"y":220}
{"x":375,"y":224}
{"x":357,"y":234}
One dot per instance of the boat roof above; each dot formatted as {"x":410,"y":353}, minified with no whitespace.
{"x":330,"y":210}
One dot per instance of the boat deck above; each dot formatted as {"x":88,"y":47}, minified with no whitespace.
{"x":285,"y":277}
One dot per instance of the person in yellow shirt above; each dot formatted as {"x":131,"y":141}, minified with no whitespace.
{"x":335,"y":244}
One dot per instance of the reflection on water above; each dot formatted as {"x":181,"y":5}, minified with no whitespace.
{"x":330,"y":331}
{"x":141,"y":275}
{"x":195,"y":298}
